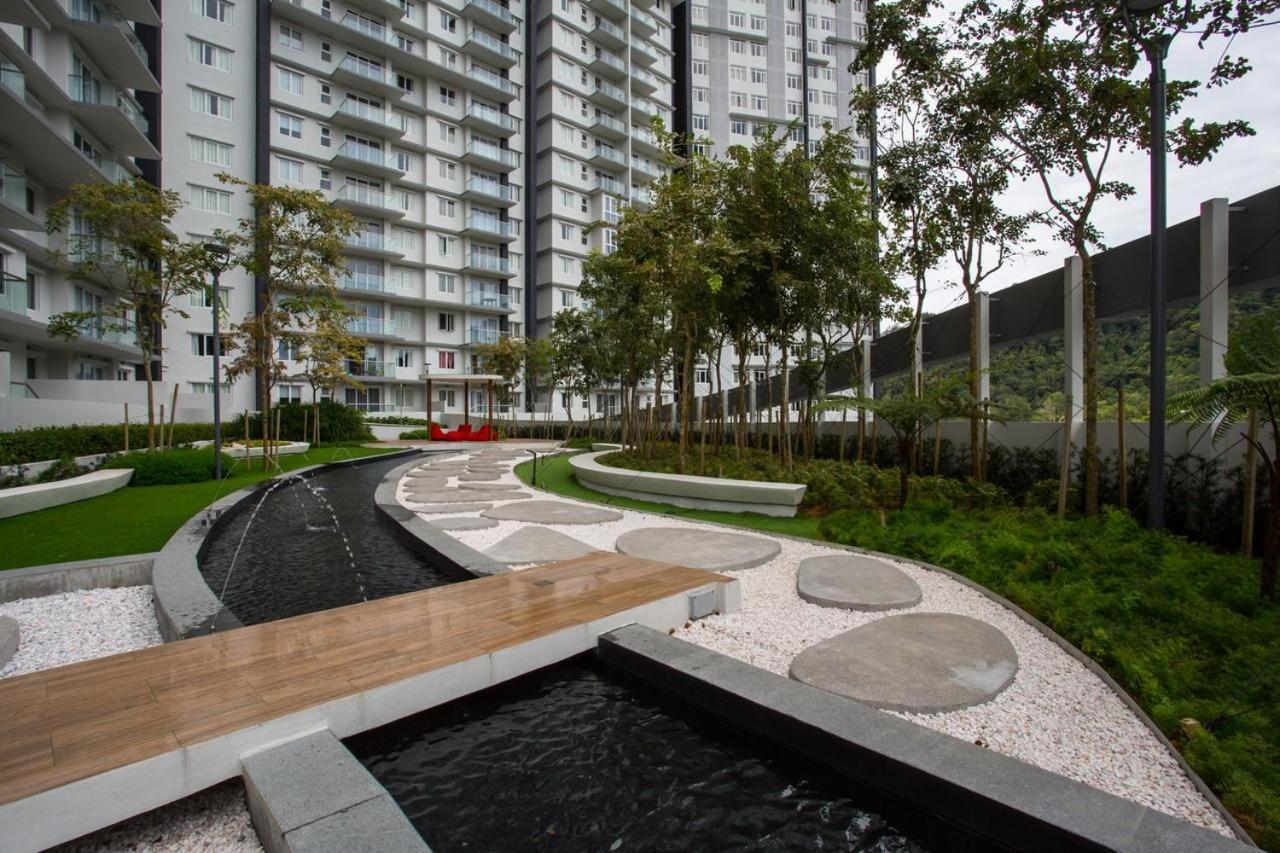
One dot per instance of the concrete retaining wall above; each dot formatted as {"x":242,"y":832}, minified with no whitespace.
{"x":23,"y":499}
{"x":56,"y":578}
{"x":780,"y":499}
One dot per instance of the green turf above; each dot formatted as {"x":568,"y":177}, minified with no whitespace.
{"x":555,"y":475}
{"x":132,"y":520}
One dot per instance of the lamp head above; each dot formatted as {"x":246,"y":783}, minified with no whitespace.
{"x":218,"y":254}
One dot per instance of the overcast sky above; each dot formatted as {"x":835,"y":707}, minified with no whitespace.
{"x":1243,"y":166}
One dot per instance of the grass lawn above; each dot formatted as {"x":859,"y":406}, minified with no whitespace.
{"x":133,"y":520}
{"x":555,"y":475}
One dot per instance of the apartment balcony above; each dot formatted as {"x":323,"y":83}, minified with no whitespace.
{"x":643,"y":81}
{"x":489,"y":50}
{"x":643,"y":24}
{"x":359,"y":116}
{"x":13,"y":294}
{"x":373,"y":245}
{"x":608,"y":33}
{"x":611,"y":185}
{"x":646,"y":141}
{"x":643,"y":54}
{"x":112,"y":115}
{"x":608,"y":64}
{"x":490,"y":156}
{"x":13,"y":201}
{"x":388,"y":9}
{"x":110,"y":41}
{"x":372,"y":327}
{"x":363,"y":282}
{"x":491,"y":121}
{"x":482,"y":262}
{"x":608,"y":127}
{"x":644,"y":111}
{"x":368,"y":160}
{"x":365,"y":201}
{"x":360,"y":73}
{"x":477,"y":335}
{"x":489,"y":299}
{"x":490,"y":15}
{"x":368,"y":34}
{"x":605,"y":157}
{"x":491,"y":228}
{"x":491,"y":192}
{"x":641,"y":197}
{"x":613,"y":9}
{"x":608,"y":95}
{"x":492,"y":86}
{"x":369,"y":368}
{"x":106,"y":330}
{"x":645,"y":168}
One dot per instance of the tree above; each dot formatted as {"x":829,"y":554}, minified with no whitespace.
{"x":504,"y":357}
{"x":539,"y":374}
{"x":327,"y":351}
{"x":1056,"y":81}
{"x":292,"y":245}
{"x":1252,"y":384}
{"x":120,"y":238}
{"x":576,"y":363}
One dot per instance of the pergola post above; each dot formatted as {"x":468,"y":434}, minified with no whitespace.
{"x":1213,"y":289}
{"x":489,"y":402}
{"x":466,"y":402}
{"x":429,"y":400}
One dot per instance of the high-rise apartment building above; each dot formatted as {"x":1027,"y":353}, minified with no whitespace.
{"x":484,"y":148}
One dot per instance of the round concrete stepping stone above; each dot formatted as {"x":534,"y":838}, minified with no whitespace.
{"x":479,"y":477}
{"x":427,"y":483}
{"x":851,"y":582}
{"x":698,"y":549}
{"x":445,"y":496}
{"x":552,"y":512}
{"x":463,"y":522}
{"x":537,"y":545}
{"x":501,"y":487}
{"x":440,"y":509}
{"x":921,"y":662}
{"x":9,"y":638}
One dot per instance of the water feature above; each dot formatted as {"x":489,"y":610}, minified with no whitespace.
{"x":308,"y":544}
{"x":574,"y":757}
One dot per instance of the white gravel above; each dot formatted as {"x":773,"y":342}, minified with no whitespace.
{"x":62,"y":629}
{"x":1056,"y":715}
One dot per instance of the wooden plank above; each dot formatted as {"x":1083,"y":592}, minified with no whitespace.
{"x":76,"y":721}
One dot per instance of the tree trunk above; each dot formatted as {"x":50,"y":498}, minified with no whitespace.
{"x":785,"y":412}
{"x":686,"y":403}
{"x":740,"y":433}
{"x":151,"y":403}
{"x":1271,"y":552}
{"x":844,"y":431}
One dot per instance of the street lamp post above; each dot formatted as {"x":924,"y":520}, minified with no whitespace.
{"x":1156,"y":48}
{"x":218,"y":254}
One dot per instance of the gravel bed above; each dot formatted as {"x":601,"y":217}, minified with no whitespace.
{"x":62,"y":629}
{"x":1056,"y":715}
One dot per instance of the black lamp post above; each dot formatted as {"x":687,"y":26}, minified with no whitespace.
{"x":1156,"y":47}
{"x":218,"y":255}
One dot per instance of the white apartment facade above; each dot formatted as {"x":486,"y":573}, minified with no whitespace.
{"x":484,"y":150}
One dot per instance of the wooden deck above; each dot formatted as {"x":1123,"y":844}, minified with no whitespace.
{"x":68,"y":724}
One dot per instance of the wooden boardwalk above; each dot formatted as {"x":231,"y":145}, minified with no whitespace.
{"x":68,"y":724}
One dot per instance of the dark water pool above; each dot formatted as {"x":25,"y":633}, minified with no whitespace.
{"x":295,"y":560}
{"x":575,"y":758}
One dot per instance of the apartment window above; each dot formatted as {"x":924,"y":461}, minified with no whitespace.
{"x":759,"y":75}
{"x":737,"y":19}
{"x":446,"y":246}
{"x":210,"y":103}
{"x":700,"y":13}
{"x":447,"y":207}
{"x":701,"y":94}
{"x":759,"y":375}
{"x":326,"y":137}
{"x":290,"y":170}
{"x":700,"y":67}
{"x":326,"y":51}
{"x":566,"y":299}
{"x":203,"y":298}
{"x":290,"y":37}
{"x":737,"y":46}
{"x":404,"y":84}
{"x":216,"y":10}
{"x":701,"y":376}
{"x":568,"y":265}
{"x":567,"y":231}
{"x":403,"y":201}
{"x":699,"y":39}
{"x":759,"y":102}
{"x":445,"y":321}
{"x":207,"y":53}
{"x":290,"y":125}
{"x":757,"y":49}
{"x":739,"y":127}
{"x":793,"y":29}
{"x":448,"y":22}
{"x":202,"y":345}
{"x":448,"y":97}
{"x":448,"y":361}
{"x":448,"y":133}
{"x":794,"y":81}
{"x":701,"y":122}
{"x":288,"y":350}
{"x":404,"y":358}
{"x":758,"y":23}
{"x":793,"y":55}
{"x":446,"y":283}
{"x":738,"y":72}
{"x":326,"y":93}
{"x":210,"y":151}
{"x":289,"y":81}
{"x":290,"y":393}
{"x":738,"y":99}
{"x":448,"y":170}
{"x":794,"y":108}
{"x":209,"y":199}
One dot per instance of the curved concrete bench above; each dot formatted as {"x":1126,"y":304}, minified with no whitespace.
{"x":24,"y":499}
{"x":230,"y":448}
{"x":686,"y":490}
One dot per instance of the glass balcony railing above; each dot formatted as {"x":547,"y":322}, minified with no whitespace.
{"x":494,"y":117}
{"x":366,"y":282}
{"x":491,"y":225}
{"x":371,"y":326}
{"x":644,"y":18}
{"x":490,"y":263}
{"x":371,"y":240}
{"x":489,"y":151}
{"x":91,"y":90}
{"x":645,"y":135}
{"x":106,"y":330}
{"x":610,"y":185}
{"x":371,"y":114}
{"x":493,"y":9}
{"x":493,"y":189}
{"x":368,"y":70}
{"x":642,"y":75}
{"x":95,"y":12}
{"x":607,"y":26}
{"x":610,"y":59}
{"x":368,"y":154}
{"x":364,"y":26}
{"x":476,"y":335}
{"x":484,"y":297}
{"x":364,"y":196}
{"x":613,"y":155}
{"x":488,"y":78}
{"x":616,"y":125}
{"x":641,"y":195}
{"x":368,"y":367}
{"x":13,"y":294}
{"x":13,"y":186}
{"x":12,"y":78}
{"x":494,"y":45}
{"x":611,"y":91}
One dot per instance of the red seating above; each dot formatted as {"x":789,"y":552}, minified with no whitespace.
{"x":485,"y":433}
{"x":438,"y":434}
{"x":462,"y":433}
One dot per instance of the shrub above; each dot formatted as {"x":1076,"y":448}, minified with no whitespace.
{"x":42,"y":443}
{"x":169,"y":467}
{"x":394,"y":421}
{"x":416,"y":435}
{"x":338,"y":423}
{"x":64,"y":469}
